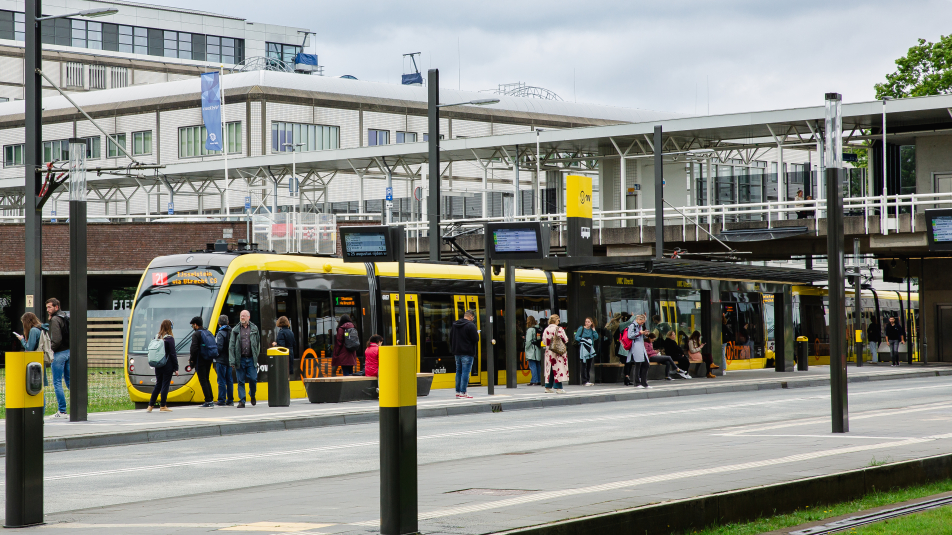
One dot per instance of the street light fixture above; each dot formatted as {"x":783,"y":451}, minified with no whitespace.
{"x":833,"y":159}
{"x":294,"y":180}
{"x":433,"y":116}
{"x":88,"y":13}
{"x":77,"y":280}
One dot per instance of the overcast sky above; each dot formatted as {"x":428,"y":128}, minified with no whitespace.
{"x":662,"y":55}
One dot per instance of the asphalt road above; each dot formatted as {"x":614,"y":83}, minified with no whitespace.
{"x":549,"y":464}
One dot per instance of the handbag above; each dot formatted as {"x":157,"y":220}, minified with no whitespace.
{"x":558,"y":346}
{"x":695,"y":357}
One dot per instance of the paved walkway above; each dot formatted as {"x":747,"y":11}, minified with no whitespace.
{"x":485,"y":473}
{"x":137,"y":426}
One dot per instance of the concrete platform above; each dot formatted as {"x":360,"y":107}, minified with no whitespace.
{"x":136,"y":427}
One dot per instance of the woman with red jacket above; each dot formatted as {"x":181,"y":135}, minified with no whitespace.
{"x":371,"y":358}
{"x":343,"y":357}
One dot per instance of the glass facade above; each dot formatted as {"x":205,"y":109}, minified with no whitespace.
{"x":311,"y":136}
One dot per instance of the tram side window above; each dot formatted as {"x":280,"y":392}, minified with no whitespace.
{"x":437,"y":315}
{"x":242,"y":297}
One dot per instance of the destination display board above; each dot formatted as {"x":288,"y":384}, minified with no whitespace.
{"x":939,"y":228}
{"x":514,"y":240}
{"x":366,"y":244}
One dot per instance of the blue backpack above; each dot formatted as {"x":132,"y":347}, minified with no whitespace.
{"x":209,"y":349}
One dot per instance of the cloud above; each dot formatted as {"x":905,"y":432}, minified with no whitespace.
{"x":741,"y":55}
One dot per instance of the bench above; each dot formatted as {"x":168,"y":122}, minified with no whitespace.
{"x":609,"y":372}
{"x":353,"y":388}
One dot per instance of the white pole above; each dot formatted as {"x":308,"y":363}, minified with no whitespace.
{"x":883,"y":215}
{"x":224,"y":129}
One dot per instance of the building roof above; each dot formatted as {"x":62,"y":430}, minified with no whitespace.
{"x":166,"y":8}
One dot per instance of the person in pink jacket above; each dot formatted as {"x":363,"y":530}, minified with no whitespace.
{"x":371,"y":355}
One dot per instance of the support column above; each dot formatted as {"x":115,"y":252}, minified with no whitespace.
{"x":658,"y":194}
{"x":784,"y":339}
{"x":712,"y":319}
{"x":512,"y":347}
{"x":487,"y":338}
{"x":78,"y":376}
{"x":433,"y":196}
{"x":33,"y":159}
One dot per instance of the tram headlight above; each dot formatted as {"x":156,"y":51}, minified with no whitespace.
{"x":132,"y":368}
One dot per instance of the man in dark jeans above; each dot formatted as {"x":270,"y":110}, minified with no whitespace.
{"x":222,"y":368}
{"x":895,"y":335}
{"x":200,"y":364}
{"x":874,"y":336}
{"x":463,"y":339}
{"x":243,"y":349}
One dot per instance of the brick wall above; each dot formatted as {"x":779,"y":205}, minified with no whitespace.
{"x":114,"y":246}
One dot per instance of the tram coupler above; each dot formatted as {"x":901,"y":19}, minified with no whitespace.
{"x":24,"y":455}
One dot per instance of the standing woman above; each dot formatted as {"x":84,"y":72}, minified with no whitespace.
{"x":556,"y":358}
{"x":285,"y":338}
{"x":586,"y":337}
{"x":163,"y":375}
{"x":533,"y":351}
{"x":638,"y":356}
{"x":37,"y":339}
{"x":343,"y":357}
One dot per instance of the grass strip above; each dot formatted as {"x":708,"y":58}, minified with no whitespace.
{"x":821,"y":512}
{"x":107,"y":392}
{"x":933,"y":522}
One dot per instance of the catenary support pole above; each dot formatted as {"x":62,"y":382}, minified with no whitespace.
{"x":433,"y":196}
{"x":857,"y":307}
{"x":659,"y":194}
{"x":837,"y":299}
{"x":78,"y":376}
{"x":512,"y":348}
{"x":32,"y":159}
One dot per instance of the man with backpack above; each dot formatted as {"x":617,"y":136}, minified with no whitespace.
{"x":202,"y":352}
{"x":226,"y":388}
{"x":463,"y":339}
{"x":59,"y":338}
{"x":244,"y":346}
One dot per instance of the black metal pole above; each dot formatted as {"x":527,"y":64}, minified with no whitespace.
{"x":512,"y":348}
{"x":78,"y":374}
{"x":32,"y":159}
{"x":837,"y":299}
{"x":922,"y":339}
{"x":908,"y":325}
{"x":659,"y":194}
{"x":489,"y":313}
{"x":858,"y":308}
{"x":403,"y":323}
{"x":433,"y":198}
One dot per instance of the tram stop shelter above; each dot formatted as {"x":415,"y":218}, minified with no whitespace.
{"x":749,"y":304}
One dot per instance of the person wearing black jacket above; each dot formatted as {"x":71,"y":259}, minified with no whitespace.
{"x":201,"y":365}
{"x":463,"y":339}
{"x":673,"y":349}
{"x":59,"y":341}
{"x":896,"y":335}
{"x":226,"y":391}
{"x":874,"y":337}
{"x":163,"y":375}
{"x":285,"y":338}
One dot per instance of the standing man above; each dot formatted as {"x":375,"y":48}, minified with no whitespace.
{"x":463,"y":339}
{"x":243,"y":349}
{"x":199,"y":362}
{"x":59,"y":338}
{"x":896,"y":335}
{"x":874,"y":337}
{"x":226,"y":382}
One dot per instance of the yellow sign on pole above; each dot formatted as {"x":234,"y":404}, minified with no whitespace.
{"x":859,"y":336}
{"x":578,"y":202}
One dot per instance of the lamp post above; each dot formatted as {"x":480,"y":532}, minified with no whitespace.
{"x":33,"y":149}
{"x":78,"y":376}
{"x":294,"y":180}
{"x":433,"y":118}
{"x":834,"y":243}
{"x":884,"y":215}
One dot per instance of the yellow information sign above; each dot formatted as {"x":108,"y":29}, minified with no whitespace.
{"x":578,"y":191}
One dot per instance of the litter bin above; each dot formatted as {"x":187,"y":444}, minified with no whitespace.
{"x":803,"y":353}
{"x":279,"y":386}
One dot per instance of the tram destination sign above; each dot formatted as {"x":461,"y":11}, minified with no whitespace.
{"x":367,"y":244}
{"x":515,"y":241}
{"x":939,"y":226}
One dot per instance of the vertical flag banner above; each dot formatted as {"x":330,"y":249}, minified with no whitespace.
{"x":211,"y":110}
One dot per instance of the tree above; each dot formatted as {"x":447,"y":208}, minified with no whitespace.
{"x":926,"y":69}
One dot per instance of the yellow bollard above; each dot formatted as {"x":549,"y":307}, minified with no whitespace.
{"x":24,"y":478}
{"x":398,"y":440}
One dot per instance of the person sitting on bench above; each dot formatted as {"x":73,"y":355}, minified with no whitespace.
{"x":654,"y":356}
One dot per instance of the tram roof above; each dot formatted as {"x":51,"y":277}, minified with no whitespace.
{"x":677,"y":267}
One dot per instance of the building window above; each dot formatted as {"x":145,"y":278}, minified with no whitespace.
{"x":113,"y":151}
{"x":142,"y":143}
{"x":140,"y":40}
{"x":93,"y":147}
{"x":11,"y":25}
{"x":283,"y":52}
{"x":426,"y":137}
{"x":192,"y":140}
{"x":178,"y":45}
{"x":310,"y":136}
{"x":378,"y":137}
{"x":406,"y":137}
{"x":4,"y":99}
{"x":13,"y":155}
{"x":55,"y":151}
{"x":97,"y":77}
{"x":120,"y":77}
{"x":74,"y":74}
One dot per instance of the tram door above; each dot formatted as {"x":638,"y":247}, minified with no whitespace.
{"x":464,"y":303}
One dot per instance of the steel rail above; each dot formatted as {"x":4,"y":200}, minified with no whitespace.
{"x":873,"y":518}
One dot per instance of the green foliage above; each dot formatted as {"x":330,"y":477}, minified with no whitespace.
{"x":926,"y":69}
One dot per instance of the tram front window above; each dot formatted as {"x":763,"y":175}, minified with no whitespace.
{"x":175,"y":294}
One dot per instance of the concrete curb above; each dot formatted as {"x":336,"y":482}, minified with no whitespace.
{"x":744,"y":505}
{"x":369,"y":415}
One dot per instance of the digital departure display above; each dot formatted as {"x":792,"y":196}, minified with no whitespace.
{"x":939,"y":229}
{"x":515,"y":240}
{"x":366,"y":244}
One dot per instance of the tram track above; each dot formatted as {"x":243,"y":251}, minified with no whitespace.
{"x":873,"y":518}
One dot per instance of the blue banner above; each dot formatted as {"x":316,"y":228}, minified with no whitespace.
{"x":211,"y":110}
